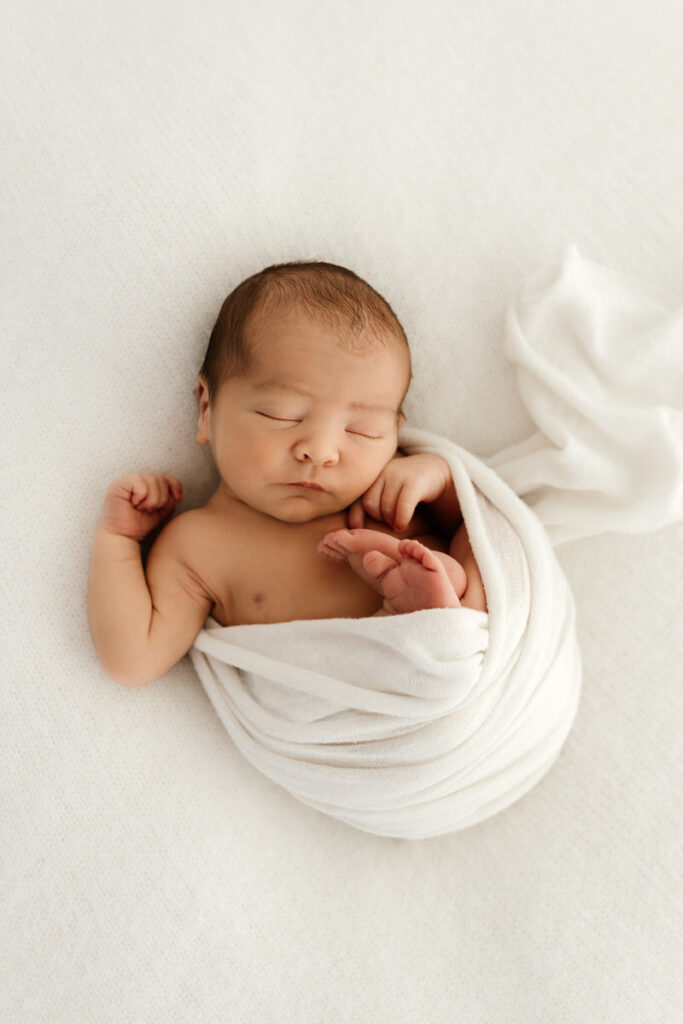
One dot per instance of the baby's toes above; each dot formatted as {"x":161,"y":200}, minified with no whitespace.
{"x":413,"y":549}
{"x":341,"y":540}
{"x":334,"y":535}
{"x":329,"y":551}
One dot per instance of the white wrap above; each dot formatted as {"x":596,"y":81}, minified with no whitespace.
{"x":417,"y":725}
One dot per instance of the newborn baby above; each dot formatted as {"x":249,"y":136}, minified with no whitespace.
{"x":300,"y":397}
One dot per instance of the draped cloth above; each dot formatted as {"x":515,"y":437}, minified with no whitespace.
{"x":422,"y":724}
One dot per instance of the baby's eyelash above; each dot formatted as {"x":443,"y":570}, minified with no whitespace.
{"x":356,"y":433}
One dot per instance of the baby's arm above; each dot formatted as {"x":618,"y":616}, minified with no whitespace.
{"x":142,"y":624}
{"x":405,"y":481}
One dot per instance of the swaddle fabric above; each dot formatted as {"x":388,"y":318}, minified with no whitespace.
{"x":422,"y":724}
{"x":599,"y":363}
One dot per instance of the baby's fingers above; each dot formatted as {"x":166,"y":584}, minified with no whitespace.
{"x":397,"y":504}
{"x":356,"y":516}
{"x":152,"y":491}
{"x":371,"y":501}
{"x":175,"y":486}
{"x":138,"y":487}
{"x":406,"y":504}
{"x":167,"y":509}
{"x":146,"y":493}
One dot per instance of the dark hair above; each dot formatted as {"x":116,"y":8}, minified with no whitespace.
{"x":326,"y":292}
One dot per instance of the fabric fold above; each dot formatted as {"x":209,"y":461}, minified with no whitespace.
{"x":599,"y":364}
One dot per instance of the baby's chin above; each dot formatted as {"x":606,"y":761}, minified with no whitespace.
{"x":305,"y":509}
{"x":303,"y":516}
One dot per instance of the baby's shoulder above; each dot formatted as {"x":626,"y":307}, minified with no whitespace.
{"x":183,"y":550}
{"x":182,"y":539}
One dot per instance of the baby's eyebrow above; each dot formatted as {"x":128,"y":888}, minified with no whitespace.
{"x":281,"y":385}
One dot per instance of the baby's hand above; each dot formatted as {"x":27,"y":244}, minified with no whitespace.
{"x":136,"y":504}
{"x":404,"y":482}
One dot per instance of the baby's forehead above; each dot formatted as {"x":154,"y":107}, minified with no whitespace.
{"x":353,"y":384}
{"x":265,"y":331}
{"x":275,"y":317}
{"x":368,"y":366}
{"x":276,"y":352}
{"x":290,"y":331}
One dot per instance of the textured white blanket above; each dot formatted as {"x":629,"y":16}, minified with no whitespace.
{"x":418,"y":725}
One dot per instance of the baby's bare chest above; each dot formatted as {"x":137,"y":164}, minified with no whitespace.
{"x":272,"y":573}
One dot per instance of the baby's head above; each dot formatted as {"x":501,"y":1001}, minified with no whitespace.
{"x":303,"y":380}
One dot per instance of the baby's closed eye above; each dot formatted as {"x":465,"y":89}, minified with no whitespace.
{"x":349,"y":430}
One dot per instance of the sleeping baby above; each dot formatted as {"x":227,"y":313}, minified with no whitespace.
{"x":318,"y":514}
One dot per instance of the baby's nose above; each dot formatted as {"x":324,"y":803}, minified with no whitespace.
{"x":320,"y":453}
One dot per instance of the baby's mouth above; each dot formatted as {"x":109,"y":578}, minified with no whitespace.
{"x":308,"y":484}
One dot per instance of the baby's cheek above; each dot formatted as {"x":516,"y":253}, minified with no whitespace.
{"x":262,"y":454}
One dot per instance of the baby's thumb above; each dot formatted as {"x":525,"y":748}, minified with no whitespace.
{"x":356,"y":516}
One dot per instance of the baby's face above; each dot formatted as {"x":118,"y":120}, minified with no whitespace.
{"x":309,"y":412}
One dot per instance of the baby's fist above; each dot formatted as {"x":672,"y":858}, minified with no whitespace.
{"x":136,"y":504}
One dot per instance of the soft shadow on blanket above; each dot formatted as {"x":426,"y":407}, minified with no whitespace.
{"x":417,"y":725}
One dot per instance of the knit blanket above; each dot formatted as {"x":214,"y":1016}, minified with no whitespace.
{"x":421,"y":724}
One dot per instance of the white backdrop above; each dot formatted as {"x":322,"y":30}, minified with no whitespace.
{"x":152,"y":157}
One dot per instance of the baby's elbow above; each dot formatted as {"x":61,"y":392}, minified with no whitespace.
{"x":130,"y":680}
{"x":129,"y":675}
{"x":145,"y":662}
{"x":126,"y":678}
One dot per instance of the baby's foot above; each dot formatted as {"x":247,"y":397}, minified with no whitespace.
{"x":422,"y":579}
{"x":352,"y":545}
{"x":409,"y":575}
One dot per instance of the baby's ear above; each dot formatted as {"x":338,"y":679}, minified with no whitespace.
{"x":202,"y":393}
{"x":201,"y":388}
